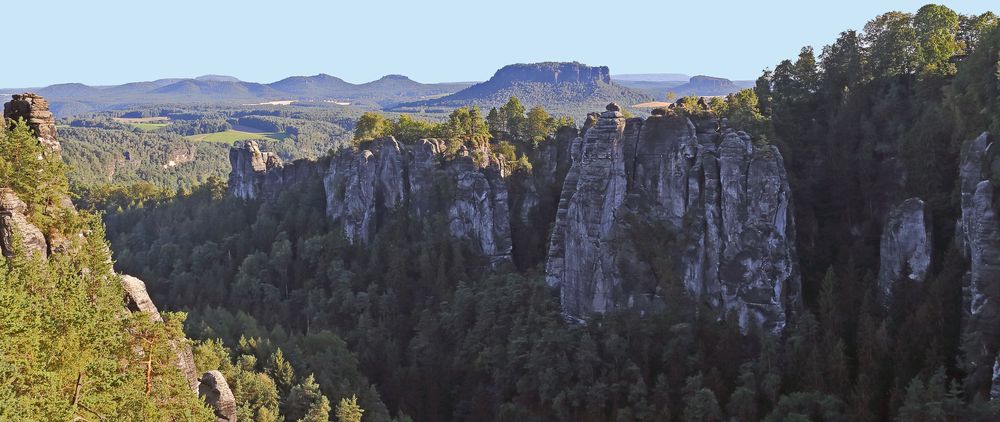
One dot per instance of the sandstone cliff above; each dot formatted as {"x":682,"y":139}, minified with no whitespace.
{"x":905,"y":249}
{"x":979,"y":233}
{"x":724,"y":200}
{"x":34,"y":110}
{"x":362,"y":187}
{"x":15,"y":227}
{"x":214,"y":389}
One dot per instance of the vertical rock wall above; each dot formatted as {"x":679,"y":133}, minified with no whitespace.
{"x":979,"y":233}
{"x":725,"y":200}
{"x":905,"y":249}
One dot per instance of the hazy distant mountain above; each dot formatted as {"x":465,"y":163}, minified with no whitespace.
{"x":317,"y":86}
{"x":74,"y":98}
{"x":558,"y":86}
{"x":698,"y":85}
{"x":709,"y":86}
{"x":218,"y":78}
{"x":651,"y":77}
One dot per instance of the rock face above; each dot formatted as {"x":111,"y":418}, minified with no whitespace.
{"x":905,"y":249}
{"x":215,"y":391}
{"x":363,"y":187}
{"x":34,"y":110}
{"x":592,"y":193}
{"x":137,"y":300}
{"x":14,"y":225}
{"x":250,"y":168}
{"x":552,"y":72}
{"x":725,"y":201}
{"x":979,"y":233}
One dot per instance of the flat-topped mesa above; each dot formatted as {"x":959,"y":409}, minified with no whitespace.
{"x":906,"y":248}
{"x":725,"y":200}
{"x":978,"y":233}
{"x":363,"y":187}
{"x":553,"y":72}
{"x":34,"y":110}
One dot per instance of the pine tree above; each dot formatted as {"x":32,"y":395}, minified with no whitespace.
{"x":348,"y":410}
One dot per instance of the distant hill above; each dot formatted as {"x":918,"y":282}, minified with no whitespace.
{"x":313,"y":87}
{"x":74,"y":98}
{"x":698,"y":85}
{"x":217,"y":78}
{"x":651,"y":77}
{"x":708,"y":86}
{"x":561,"y":87}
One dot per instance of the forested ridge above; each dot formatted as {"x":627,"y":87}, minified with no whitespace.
{"x":416,"y":326}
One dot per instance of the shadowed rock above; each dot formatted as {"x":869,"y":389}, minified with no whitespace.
{"x":726,"y":200}
{"x":979,"y":234}
{"x":905,"y":246}
{"x":215,"y":391}
{"x":363,"y":187}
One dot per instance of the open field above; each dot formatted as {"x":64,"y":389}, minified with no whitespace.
{"x":147,"y":124}
{"x":231,"y":136}
{"x":148,"y":127}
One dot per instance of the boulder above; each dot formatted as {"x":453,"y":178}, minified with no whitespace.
{"x":137,"y":299}
{"x":215,"y":391}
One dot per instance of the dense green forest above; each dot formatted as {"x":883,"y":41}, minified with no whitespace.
{"x":68,"y":349}
{"x":415,"y":328}
{"x":106,"y":148}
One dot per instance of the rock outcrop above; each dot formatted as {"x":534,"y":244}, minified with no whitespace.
{"x":552,"y":72}
{"x":979,"y":234}
{"x":14,"y":227}
{"x":261,"y":174}
{"x":906,"y":248}
{"x":34,"y":110}
{"x":137,"y":300}
{"x":592,"y":192}
{"x":250,"y":168}
{"x":215,"y":391}
{"x":363,"y":187}
{"x":724,"y":200}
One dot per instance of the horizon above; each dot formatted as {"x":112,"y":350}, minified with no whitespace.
{"x":208,"y":76}
{"x":440,"y":48}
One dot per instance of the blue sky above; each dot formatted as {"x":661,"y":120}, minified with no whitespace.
{"x":111,"y":41}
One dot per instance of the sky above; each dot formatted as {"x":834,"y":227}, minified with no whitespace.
{"x":102,"y":42}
